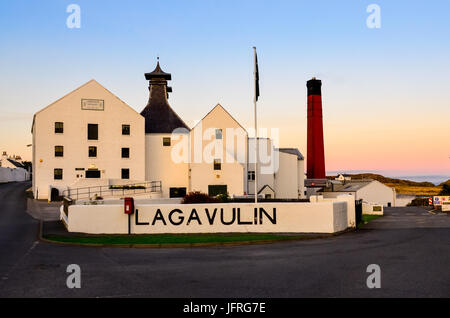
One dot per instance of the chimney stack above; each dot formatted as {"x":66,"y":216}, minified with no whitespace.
{"x":315,"y":148}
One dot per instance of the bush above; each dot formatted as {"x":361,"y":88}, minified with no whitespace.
{"x":445,"y":189}
{"x":419,"y":202}
{"x":198,"y":197}
{"x":223,"y":197}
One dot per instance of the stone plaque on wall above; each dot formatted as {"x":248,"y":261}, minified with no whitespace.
{"x":93,"y":104}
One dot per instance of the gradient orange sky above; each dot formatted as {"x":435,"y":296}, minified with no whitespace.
{"x":386,"y":96}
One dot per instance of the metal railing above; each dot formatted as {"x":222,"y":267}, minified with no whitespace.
{"x":94,"y":192}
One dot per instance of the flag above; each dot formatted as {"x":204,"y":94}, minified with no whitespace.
{"x":256,"y":76}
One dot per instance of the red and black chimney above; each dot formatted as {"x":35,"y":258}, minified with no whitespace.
{"x":315,"y":156}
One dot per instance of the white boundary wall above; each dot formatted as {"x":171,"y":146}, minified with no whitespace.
{"x":349,"y":198}
{"x":298,"y":217}
{"x":12,"y":175}
{"x":372,"y":209}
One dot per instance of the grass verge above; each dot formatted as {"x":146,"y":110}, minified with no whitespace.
{"x":161,"y":239}
{"x":366,"y":218}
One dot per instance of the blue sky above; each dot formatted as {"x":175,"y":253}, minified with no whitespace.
{"x":385,"y":89}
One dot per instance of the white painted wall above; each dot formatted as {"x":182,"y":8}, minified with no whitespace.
{"x":202,"y":171}
{"x":349,"y":199}
{"x":265,"y":169}
{"x":13,"y":175}
{"x":301,"y":178}
{"x":161,"y":167}
{"x":74,"y":139}
{"x":321,"y":217}
{"x":376,"y":192}
{"x":287,"y":176}
{"x":372,"y":209}
{"x":404,"y":200}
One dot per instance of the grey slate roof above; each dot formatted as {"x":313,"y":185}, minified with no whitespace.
{"x":349,"y":186}
{"x":16,"y":163}
{"x":158,"y":73}
{"x":292,"y":151}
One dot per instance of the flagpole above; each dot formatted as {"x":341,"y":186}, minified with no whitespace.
{"x":256,"y":131}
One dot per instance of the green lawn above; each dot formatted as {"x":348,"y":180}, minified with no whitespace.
{"x":366,"y":218}
{"x":169,"y":238}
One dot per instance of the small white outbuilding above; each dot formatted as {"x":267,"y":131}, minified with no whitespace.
{"x":370,"y":191}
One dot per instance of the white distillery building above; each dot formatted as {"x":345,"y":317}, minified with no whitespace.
{"x":86,"y":138}
{"x":370,"y":191}
{"x":90,"y":137}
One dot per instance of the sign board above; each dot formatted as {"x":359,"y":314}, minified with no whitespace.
{"x":446,"y":206}
{"x":439,"y":200}
{"x":285,"y":217}
{"x":92,"y":104}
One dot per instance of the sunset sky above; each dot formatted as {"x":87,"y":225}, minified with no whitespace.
{"x":386,"y":91}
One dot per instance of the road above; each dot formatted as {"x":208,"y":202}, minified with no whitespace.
{"x":411,"y":246}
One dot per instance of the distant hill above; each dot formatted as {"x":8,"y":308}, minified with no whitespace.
{"x":445,"y":182}
{"x":384,"y":179}
{"x":400,"y":185}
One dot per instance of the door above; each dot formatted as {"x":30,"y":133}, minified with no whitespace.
{"x":216,"y":189}
{"x":177,"y":192}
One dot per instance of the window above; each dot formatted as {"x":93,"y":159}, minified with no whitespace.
{"x":125,"y":129}
{"x":92,"y":151}
{"x":93,"y":131}
{"x":59,"y":151}
{"x":125,"y":152}
{"x":177,"y":192}
{"x":166,"y":141}
{"x":93,"y":173}
{"x":58,"y":174}
{"x":59,"y":127}
{"x":217,"y":164}
{"x":125,"y":173}
{"x":218,"y":133}
{"x":251,"y":175}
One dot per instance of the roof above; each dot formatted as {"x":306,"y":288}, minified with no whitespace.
{"x":350,"y":186}
{"x":159,"y":116}
{"x":292,"y":151}
{"x":266,"y":186}
{"x":16,"y":163}
{"x":92,"y":81}
{"x":226,"y":111}
{"x":158,"y":73}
